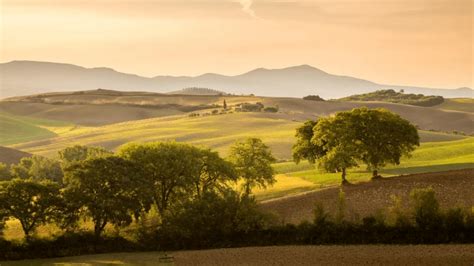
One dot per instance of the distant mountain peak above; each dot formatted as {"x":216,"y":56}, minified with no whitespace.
{"x":23,"y":77}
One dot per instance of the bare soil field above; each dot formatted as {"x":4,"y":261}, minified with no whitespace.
{"x":11,"y":156}
{"x":86,"y":114}
{"x":453,"y":188}
{"x":94,"y":108}
{"x":283,"y":255}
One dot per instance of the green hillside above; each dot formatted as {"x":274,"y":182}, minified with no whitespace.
{"x":429,"y":157}
{"x":214,"y":131}
{"x":18,"y":129}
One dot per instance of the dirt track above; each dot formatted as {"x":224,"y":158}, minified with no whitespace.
{"x":332,"y":255}
{"x":284,"y":255}
{"x":453,"y":188}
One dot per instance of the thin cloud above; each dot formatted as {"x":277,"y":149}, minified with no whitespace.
{"x":247,"y":8}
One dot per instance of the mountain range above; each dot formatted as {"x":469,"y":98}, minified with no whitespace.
{"x":19,"y":78}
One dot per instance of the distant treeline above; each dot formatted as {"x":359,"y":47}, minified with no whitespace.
{"x":397,"y":97}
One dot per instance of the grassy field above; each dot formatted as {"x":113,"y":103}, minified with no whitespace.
{"x":282,"y":255}
{"x":17,"y":129}
{"x":459,"y":104}
{"x":216,"y":131}
{"x":429,"y":157}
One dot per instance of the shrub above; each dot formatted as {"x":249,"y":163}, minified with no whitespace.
{"x":399,"y":217}
{"x":341,"y":206}
{"x":425,"y":208}
{"x":271,"y":109}
{"x":251,"y":107}
{"x":212,"y":220}
{"x":321,"y":217}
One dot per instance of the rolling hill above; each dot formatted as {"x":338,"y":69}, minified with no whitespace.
{"x":102,"y":107}
{"x":31,"y":77}
{"x":214,"y":131}
{"x":459,"y":104}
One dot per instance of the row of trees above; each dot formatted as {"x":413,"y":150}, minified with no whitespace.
{"x":397,"y":97}
{"x":373,"y":137}
{"x":118,"y":188}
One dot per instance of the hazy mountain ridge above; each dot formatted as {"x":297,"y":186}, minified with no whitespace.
{"x":30,"y":77}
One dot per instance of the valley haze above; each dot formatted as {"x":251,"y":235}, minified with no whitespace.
{"x":19,"y":78}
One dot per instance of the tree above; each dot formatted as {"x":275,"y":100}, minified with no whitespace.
{"x":381,"y":137}
{"x":4,"y":172}
{"x":371,"y":136}
{"x":252,"y":160}
{"x":332,"y":137}
{"x":37,"y":168}
{"x":168,"y":168}
{"x":31,"y":202}
{"x":305,"y":149}
{"x":108,"y":189}
{"x":78,"y":153}
{"x":213,"y":172}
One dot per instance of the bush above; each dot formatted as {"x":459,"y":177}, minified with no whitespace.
{"x":212,"y":221}
{"x":250,"y":107}
{"x":425,"y":208}
{"x":271,"y":109}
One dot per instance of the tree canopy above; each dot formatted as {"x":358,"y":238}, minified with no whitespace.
{"x":252,"y":160}
{"x":79,"y":153}
{"x":374,"y":137}
{"x":38,"y":168}
{"x":31,"y":202}
{"x":108,"y":189}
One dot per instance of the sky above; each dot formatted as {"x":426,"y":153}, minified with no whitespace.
{"x":403,"y":42}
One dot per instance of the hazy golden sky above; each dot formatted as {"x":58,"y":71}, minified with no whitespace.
{"x":404,"y":42}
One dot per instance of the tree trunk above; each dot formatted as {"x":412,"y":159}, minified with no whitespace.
{"x":247,"y":189}
{"x":343,"y":175}
{"x":375,"y":174}
{"x":99,"y":227}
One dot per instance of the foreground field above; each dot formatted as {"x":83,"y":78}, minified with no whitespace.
{"x":453,"y":188}
{"x":283,"y":255}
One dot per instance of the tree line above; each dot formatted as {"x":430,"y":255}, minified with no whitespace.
{"x":118,"y":188}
